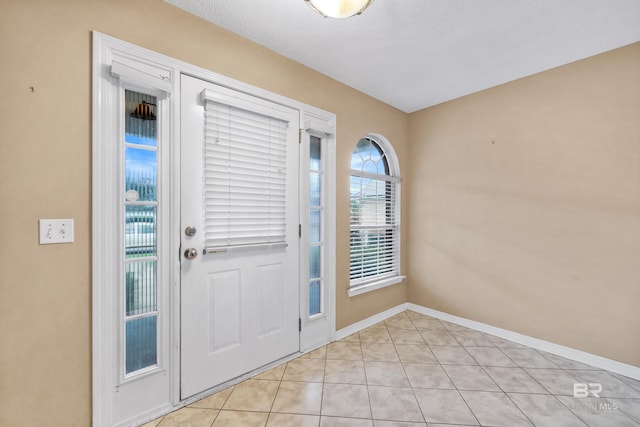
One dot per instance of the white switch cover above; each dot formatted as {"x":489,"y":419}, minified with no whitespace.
{"x":56,"y":231}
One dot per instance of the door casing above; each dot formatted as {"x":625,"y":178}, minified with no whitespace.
{"x":149,"y":70}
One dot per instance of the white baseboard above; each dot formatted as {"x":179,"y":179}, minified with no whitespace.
{"x":369,"y":321}
{"x":557,"y":349}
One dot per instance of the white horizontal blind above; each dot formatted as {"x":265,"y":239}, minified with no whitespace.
{"x":374,"y":239}
{"x":244,"y":177}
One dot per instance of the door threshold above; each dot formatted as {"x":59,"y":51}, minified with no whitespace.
{"x":234,"y":381}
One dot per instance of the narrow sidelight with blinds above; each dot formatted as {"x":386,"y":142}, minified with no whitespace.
{"x":244,"y":173}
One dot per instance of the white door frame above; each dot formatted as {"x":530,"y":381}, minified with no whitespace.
{"x":319,"y":329}
{"x":153,"y":71}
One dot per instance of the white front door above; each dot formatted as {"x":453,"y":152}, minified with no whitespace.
{"x":239,"y":246}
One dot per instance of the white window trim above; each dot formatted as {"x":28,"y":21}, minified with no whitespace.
{"x":377,"y":284}
{"x":363,"y":286}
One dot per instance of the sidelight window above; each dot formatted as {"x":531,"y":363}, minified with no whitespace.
{"x":140,"y":205}
{"x":316,"y":241}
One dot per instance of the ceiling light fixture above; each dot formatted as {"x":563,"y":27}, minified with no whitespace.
{"x":338,"y":8}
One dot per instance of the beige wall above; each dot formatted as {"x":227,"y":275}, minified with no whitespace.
{"x":525,"y":206}
{"x":45,"y":157}
{"x":521,"y":204}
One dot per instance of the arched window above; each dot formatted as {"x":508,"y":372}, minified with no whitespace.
{"x":375,"y":216}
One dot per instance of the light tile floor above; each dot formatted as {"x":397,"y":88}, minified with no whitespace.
{"x":415,"y":370}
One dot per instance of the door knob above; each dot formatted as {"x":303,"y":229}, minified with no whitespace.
{"x":191,"y":253}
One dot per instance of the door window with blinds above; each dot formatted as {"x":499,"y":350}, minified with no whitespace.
{"x":374,"y":214}
{"x":244,"y":175}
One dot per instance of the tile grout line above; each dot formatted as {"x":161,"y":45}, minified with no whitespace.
{"x":413,"y":392}
{"x":507,"y":393}
{"x":366,"y":380}
{"x":324,"y":377}
{"x":276,"y":394}
{"x":456,"y":387}
{"x":483,"y":370}
{"x":222,"y":406}
{"x":526,"y":373}
{"x":572,"y":411}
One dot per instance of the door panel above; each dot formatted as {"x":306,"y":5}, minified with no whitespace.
{"x":224,"y":310}
{"x":272,"y":293}
{"x":239,"y":305}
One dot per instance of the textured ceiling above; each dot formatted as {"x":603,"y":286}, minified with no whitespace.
{"x":413,"y":54}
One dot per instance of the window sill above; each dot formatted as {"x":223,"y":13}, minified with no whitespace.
{"x":372,"y":286}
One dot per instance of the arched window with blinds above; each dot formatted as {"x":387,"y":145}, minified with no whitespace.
{"x":375,"y":216}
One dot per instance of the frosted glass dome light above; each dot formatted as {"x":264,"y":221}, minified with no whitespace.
{"x":339,"y":8}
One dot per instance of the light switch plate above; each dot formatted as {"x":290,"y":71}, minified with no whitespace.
{"x":56,"y":231}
